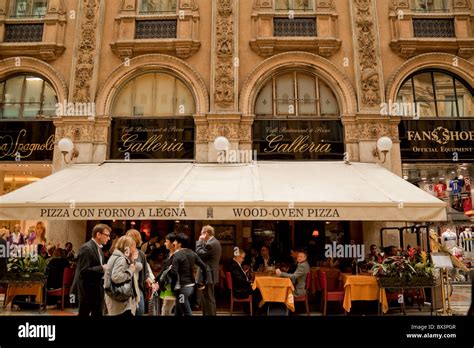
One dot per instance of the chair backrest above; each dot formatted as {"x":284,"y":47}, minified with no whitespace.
{"x":323,"y":281}
{"x":308,"y":281}
{"x":68,"y":277}
{"x":228,"y":279}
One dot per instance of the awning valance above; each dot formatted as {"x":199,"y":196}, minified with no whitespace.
{"x":187,"y":191}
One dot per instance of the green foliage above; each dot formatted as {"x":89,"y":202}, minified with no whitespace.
{"x":403,"y":267}
{"x":28,"y":264}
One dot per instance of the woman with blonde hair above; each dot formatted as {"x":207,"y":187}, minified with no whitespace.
{"x":145,"y":277}
{"x":123,"y":267}
{"x":40,"y":233}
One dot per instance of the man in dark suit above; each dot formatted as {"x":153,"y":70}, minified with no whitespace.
{"x":209,"y":249}
{"x":241,"y":285}
{"x":91,"y":265}
{"x":264,"y":260}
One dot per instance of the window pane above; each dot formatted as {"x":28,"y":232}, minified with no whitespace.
{"x":13,"y":89}
{"x":429,"y":5}
{"x":165,"y":88}
{"x":424,"y":94}
{"x":144,"y":95}
{"x":29,"y":8}
{"x":123,"y":102}
{"x":282,"y":4}
{"x":49,"y":100}
{"x":185,"y":101}
{"x":11,"y":110}
{"x":2,"y":86}
{"x":405,"y":100}
{"x":307,"y":94}
{"x":39,"y":8}
{"x":285,"y":95}
{"x":298,"y":5}
{"x":328,"y":101}
{"x":264,"y":106}
{"x":31,"y":110}
{"x":465,"y":100}
{"x":445,"y":95}
{"x":150,"y":6}
{"x":34,"y":86}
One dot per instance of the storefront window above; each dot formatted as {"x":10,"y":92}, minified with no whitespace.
{"x":26,"y":96}
{"x":437,"y":94}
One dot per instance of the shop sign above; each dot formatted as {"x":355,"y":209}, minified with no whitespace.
{"x":164,"y":138}
{"x":433,"y":140}
{"x":26,"y":141}
{"x":298,"y":140}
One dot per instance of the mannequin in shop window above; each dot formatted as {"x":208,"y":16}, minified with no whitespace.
{"x":449,"y":239}
{"x":466,"y":241}
{"x":440,"y":189}
{"x":456,"y":185}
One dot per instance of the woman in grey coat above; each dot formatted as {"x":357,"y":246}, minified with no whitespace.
{"x":122,"y":267}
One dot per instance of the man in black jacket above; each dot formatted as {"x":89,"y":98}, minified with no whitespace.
{"x":241,"y":285}
{"x":209,"y":250}
{"x":91,"y":265}
{"x":182,"y":268}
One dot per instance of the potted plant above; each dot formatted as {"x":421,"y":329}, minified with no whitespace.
{"x":410,"y":269}
{"x":31,"y":267}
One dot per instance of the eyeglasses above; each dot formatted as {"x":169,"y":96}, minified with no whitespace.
{"x":105,"y":234}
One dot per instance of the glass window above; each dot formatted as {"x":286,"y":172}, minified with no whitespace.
{"x":154,"y":95}
{"x":437,"y":94}
{"x":313,"y":97}
{"x":296,"y":5}
{"x":430,"y":5}
{"x":157,"y":6}
{"x":26,"y":96}
{"x":28,"y":8}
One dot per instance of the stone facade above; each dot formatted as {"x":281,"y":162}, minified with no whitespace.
{"x":225,"y":50}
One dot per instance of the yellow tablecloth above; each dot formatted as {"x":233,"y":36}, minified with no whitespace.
{"x":274,"y":289}
{"x":362,"y":288}
{"x":33,"y":288}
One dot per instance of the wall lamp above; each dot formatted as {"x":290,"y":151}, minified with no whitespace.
{"x":384,"y":145}
{"x":66,"y":146}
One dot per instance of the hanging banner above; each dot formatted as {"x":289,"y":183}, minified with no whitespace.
{"x":26,"y":141}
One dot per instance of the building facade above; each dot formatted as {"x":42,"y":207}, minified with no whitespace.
{"x":301,"y":80}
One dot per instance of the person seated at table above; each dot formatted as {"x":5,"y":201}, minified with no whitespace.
{"x":299,"y":276}
{"x":373,"y":255}
{"x":264,"y":260}
{"x":241,"y":284}
{"x":55,"y":269}
{"x":390,"y":251}
{"x":251,"y":258}
{"x":3,"y":258}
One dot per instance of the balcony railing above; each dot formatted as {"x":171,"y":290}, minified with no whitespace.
{"x":294,"y":27}
{"x":23,"y":32}
{"x":156,"y":29}
{"x":433,"y":28}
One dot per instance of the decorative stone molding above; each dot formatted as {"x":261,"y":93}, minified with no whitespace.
{"x":35,"y":66}
{"x":406,"y":45}
{"x":82,"y":129}
{"x":367,"y":54}
{"x":54,"y":30}
{"x":183,"y":46}
{"x":370,"y":130}
{"x":454,"y":64}
{"x":86,"y":52}
{"x":224,"y":77}
{"x":266,"y":44}
{"x":340,"y":83}
{"x":152,"y":62}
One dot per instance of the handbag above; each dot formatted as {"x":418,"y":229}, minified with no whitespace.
{"x":120,"y":292}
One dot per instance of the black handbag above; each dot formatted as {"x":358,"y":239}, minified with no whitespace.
{"x":120,"y":292}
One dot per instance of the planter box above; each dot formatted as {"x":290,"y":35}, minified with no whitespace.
{"x":387,"y":282}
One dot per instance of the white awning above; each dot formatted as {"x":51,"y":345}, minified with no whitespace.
{"x":187,"y":191}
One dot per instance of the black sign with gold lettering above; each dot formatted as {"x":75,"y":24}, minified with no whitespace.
{"x":437,"y":140}
{"x":298,"y":140}
{"x":158,"y":138}
{"x":26,"y":141}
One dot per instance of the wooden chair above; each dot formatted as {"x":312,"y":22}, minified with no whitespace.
{"x":304,"y":298}
{"x":4,"y":290}
{"x":228,"y":278}
{"x":328,"y":295}
{"x":68,"y":277}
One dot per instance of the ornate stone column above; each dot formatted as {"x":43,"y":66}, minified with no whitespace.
{"x":224,"y":117}
{"x":78,"y":120}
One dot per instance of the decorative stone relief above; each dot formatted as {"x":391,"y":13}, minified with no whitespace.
{"x":369,"y":75}
{"x":373,"y":130}
{"x":86,"y":52}
{"x":224,"y":78}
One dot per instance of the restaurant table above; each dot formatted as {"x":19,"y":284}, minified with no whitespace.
{"x":358,"y":287}
{"x":25,"y":288}
{"x":275,"y":289}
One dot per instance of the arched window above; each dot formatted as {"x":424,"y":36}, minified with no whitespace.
{"x":436,"y":93}
{"x":26,"y":96}
{"x":156,"y":94}
{"x":296,"y":95}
